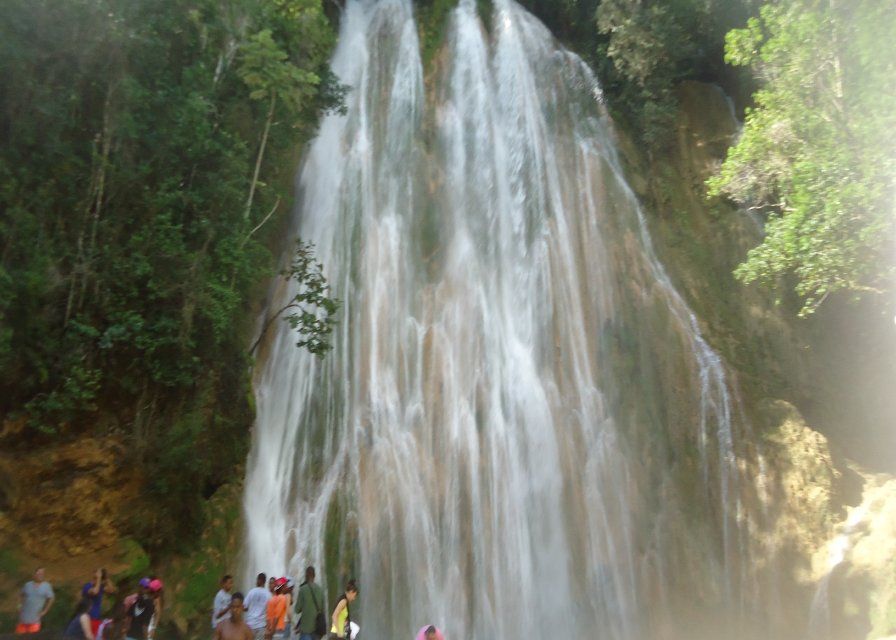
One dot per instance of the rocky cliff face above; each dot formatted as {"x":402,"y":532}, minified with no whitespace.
{"x":823,"y":488}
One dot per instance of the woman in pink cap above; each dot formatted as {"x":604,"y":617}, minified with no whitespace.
{"x":155,"y":592}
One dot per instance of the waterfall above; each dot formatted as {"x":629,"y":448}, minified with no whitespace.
{"x":517,"y":392}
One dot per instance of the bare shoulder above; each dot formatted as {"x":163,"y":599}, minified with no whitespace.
{"x":247,"y":632}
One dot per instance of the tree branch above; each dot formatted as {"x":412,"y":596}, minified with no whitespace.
{"x":260,"y":224}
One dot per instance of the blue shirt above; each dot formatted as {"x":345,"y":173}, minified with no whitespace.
{"x":96,"y":602}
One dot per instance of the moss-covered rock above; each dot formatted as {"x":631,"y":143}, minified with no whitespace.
{"x":193,"y":579}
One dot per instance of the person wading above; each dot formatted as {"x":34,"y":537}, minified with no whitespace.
{"x":341,"y":615}
{"x":310,"y":601}
{"x":234,"y":626}
{"x":36,"y":598}
{"x":255,"y":605}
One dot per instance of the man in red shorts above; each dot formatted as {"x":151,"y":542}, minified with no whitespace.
{"x":36,"y":598}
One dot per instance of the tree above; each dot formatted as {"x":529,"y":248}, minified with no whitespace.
{"x":137,"y":137}
{"x":312,"y":310}
{"x":817,"y":154}
{"x":267,"y":71}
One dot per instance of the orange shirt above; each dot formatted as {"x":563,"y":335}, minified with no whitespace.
{"x":276,"y":612}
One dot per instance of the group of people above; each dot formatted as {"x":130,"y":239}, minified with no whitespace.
{"x":134,"y":618}
{"x":272,"y":610}
{"x":275,"y":610}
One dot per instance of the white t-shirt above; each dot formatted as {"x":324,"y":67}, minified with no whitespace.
{"x":222,"y":601}
{"x":256,"y":604}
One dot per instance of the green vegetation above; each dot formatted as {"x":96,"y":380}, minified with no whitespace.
{"x":193,"y":577}
{"x":311,"y":311}
{"x":432,"y":19}
{"x":641,"y":50}
{"x":147,"y":167}
{"x":818,"y":150}
{"x":135,"y":559}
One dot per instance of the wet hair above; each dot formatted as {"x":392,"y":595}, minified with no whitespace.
{"x":236,"y":596}
{"x":309,"y":572}
{"x":226,"y":578}
{"x":351,"y":585}
{"x":261,"y":579}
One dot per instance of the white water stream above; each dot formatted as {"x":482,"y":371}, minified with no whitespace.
{"x":517,"y":390}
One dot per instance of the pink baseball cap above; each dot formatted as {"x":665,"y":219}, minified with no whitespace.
{"x":155,"y":585}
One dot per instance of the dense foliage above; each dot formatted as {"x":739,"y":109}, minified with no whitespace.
{"x":642,"y":49}
{"x":818,"y":149}
{"x":816,"y":157}
{"x":147,"y":162}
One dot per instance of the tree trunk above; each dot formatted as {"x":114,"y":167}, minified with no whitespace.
{"x":267,"y":325}
{"x":100,"y":195}
{"x":96,"y":194}
{"x":264,"y":142}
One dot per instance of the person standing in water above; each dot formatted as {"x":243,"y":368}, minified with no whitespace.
{"x":341,"y":616}
{"x":36,"y":598}
{"x":234,"y":627}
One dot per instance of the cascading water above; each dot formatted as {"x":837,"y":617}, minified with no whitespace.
{"x":517,"y":391}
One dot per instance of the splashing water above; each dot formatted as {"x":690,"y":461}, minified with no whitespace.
{"x":517,"y":388}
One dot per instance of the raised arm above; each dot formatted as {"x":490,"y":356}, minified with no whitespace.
{"x":96,"y":584}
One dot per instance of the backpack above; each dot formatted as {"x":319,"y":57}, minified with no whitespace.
{"x":320,"y":620}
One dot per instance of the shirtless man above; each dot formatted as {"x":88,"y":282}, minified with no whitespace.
{"x":235,"y":628}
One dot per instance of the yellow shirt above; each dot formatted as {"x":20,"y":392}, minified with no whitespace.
{"x":340,"y":621}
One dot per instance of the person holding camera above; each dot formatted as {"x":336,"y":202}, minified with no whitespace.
{"x":93,"y":592}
